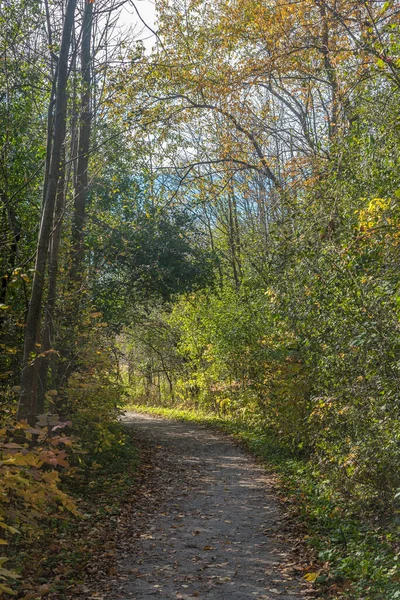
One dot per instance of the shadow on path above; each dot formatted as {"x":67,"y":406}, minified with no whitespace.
{"x":218,"y":533}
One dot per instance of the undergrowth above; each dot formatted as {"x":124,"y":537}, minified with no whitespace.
{"x":358,"y":559}
{"x":58,"y":561}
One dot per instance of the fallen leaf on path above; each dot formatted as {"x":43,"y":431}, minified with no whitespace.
{"x":312,"y":576}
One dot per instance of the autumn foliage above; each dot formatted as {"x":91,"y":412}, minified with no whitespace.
{"x":212,"y":222}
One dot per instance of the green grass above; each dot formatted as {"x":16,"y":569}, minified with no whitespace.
{"x":357,"y":560}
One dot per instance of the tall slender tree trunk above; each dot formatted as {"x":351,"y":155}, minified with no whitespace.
{"x":47,"y":343}
{"x":330,"y":72}
{"x":233,"y":237}
{"x":81,"y":184}
{"x":27,"y":408}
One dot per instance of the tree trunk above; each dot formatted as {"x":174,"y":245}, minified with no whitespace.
{"x":331,"y":74}
{"x":81,"y":185}
{"x":48,"y":327}
{"x":27,"y":408}
{"x":233,"y":238}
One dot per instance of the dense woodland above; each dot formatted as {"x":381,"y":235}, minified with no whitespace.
{"x":212,"y":223}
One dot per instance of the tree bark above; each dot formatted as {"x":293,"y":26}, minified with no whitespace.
{"x":81,"y":185}
{"x":27,"y":408}
{"x":331,"y":74}
{"x":47,"y":344}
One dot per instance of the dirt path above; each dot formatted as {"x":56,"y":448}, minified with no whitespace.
{"x":215,"y":531}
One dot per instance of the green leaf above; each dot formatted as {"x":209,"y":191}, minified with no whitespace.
{"x":7,"y":590}
{"x":9,"y":574}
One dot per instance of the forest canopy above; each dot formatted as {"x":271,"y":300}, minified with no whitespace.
{"x":212,"y":222}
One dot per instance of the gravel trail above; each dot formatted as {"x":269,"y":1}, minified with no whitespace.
{"x":216,"y":530}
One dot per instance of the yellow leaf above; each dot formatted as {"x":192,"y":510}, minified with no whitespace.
{"x":312,"y":576}
{"x":3,"y":543}
{"x":51,"y":477}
